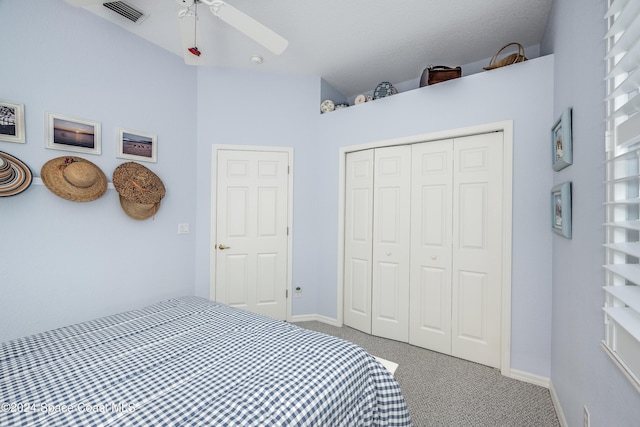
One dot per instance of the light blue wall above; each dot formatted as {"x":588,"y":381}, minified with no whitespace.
{"x":87,"y":260}
{"x":62,"y":262}
{"x":581,"y":372}
{"x":522,"y":93}
{"x":255,"y":113}
{"x":248,"y":108}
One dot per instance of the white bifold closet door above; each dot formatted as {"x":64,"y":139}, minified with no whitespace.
{"x":377,"y":240}
{"x":391,"y":242}
{"x":456,"y":247}
{"x":423,"y":244}
{"x":358,"y":245}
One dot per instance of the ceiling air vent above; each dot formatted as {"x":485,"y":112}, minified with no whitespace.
{"x":126,"y":10}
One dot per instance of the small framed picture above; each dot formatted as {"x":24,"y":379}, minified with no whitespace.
{"x":561,"y":209}
{"x":12,"y":122}
{"x":134,"y":145}
{"x":561,"y":141}
{"x":72,"y":134}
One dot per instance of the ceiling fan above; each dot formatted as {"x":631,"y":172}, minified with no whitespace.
{"x":188,"y":22}
{"x":188,"y":19}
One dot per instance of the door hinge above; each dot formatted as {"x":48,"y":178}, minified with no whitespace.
{"x":286,"y":293}
{"x":287,"y":230}
{"x":288,"y":170}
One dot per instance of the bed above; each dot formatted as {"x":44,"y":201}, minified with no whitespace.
{"x":192,"y":362}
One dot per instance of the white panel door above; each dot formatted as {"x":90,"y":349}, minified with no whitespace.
{"x":477,"y":248}
{"x":431,"y":230}
{"x":358,"y":245}
{"x":391,"y":241}
{"x":251,"y":229}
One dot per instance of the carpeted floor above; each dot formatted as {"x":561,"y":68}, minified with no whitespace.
{"x":443,"y":391}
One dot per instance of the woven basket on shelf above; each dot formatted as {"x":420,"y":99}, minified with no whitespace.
{"x":507,"y":60}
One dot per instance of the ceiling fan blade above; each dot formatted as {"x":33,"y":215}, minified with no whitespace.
{"x":82,"y":3}
{"x":190,"y":39}
{"x":249,"y":26}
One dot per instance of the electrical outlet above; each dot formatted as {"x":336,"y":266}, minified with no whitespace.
{"x":586,"y":417}
{"x":183,"y":228}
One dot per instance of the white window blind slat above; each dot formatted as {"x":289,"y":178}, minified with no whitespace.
{"x":628,"y":225}
{"x":629,"y":248}
{"x":628,"y":132}
{"x":628,"y":295}
{"x":628,"y":318}
{"x":628,"y":108}
{"x":628,"y":39}
{"x":622,"y":203}
{"x":615,"y":8}
{"x":627,"y":85}
{"x":630,"y":272}
{"x":627,"y":63}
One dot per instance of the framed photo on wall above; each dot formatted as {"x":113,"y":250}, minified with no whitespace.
{"x":12,"y":122}
{"x":72,"y":134}
{"x":134,"y":145}
{"x":561,"y":209}
{"x":561,"y":141}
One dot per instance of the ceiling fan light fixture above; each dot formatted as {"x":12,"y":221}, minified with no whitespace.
{"x":256,"y":59}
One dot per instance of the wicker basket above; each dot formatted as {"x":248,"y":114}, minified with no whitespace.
{"x":507,"y":60}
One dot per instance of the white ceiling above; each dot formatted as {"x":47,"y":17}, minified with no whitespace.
{"x":352,"y":44}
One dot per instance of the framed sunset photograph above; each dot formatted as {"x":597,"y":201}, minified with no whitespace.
{"x":12,"y":122}
{"x":135,"y":145}
{"x":73,"y":134}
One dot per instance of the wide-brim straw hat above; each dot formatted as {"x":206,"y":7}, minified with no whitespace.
{"x":139,"y":211}
{"x":15,"y":176}
{"x":74,"y":178}
{"x":140,"y":190}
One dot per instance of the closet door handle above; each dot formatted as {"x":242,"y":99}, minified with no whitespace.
{"x":222,"y":246}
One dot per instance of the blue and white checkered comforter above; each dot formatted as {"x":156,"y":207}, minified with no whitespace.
{"x":192,"y":362}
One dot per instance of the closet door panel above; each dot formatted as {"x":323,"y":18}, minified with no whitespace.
{"x":477,"y":248}
{"x":358,"y":240}
{"x":391,"y":237}
{"x":430,"y":271}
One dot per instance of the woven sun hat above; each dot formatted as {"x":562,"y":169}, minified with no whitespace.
{"x":140,"y":190}
{"x":74,"y":178}
{"x":15,"y":176}
{"x":139,"y":211}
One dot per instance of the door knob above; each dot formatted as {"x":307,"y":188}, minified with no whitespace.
{"x":222,"y":246}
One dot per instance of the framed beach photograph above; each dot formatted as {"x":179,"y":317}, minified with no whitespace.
{"x":135,"y":145}
{"x":12,"y":122}
{"x":73,"y":134}
{"x":561,"y":209}
{"x":562,"y":141}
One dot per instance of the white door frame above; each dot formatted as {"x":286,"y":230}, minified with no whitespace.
{"x":214,"y":189}
{"x":507,"y":128}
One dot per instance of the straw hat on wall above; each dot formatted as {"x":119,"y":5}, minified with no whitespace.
{"x":140,"y":190}
{"x":74,"y":178}
{"x":15,"y":176}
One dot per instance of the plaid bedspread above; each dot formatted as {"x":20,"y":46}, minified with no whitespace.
{"x":192,"y":362}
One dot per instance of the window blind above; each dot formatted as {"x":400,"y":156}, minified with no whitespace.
{"x":622,"y":205}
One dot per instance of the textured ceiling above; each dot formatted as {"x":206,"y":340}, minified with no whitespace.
{"x":352,"y":44}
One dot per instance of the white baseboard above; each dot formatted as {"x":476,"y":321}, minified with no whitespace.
{"x":529,"y":378}
{"x":316,"y":318}
{"x":556,"y":404}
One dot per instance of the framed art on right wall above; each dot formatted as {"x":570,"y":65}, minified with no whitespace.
{"x":561,"y":209}
{"x":561,"y":141}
